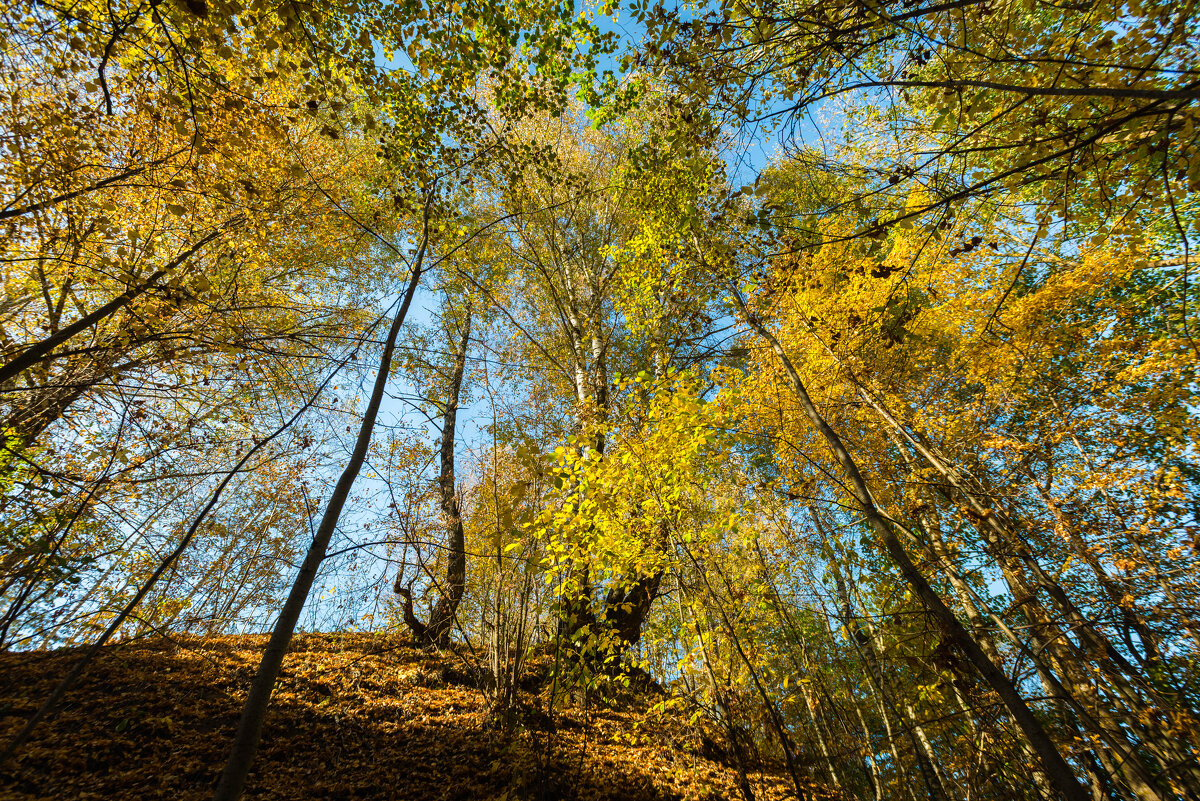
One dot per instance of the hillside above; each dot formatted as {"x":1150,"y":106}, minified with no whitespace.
{"x":354,"y":716}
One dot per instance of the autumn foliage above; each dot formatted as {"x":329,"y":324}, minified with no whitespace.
{"x":807,"y":389}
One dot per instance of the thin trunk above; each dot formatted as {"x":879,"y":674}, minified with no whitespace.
{"x":442,"y":618}
{"x":922,"y":750}
{"x":68,"y":681}
{"x":941,"y":556}
{"x":930,"y":756}
{"x":731,"y":731}
{"x":870,"y":658}
{"x":822,"y":744}
{"x":1005,"y":543}
{"x":870,"y":751}
{"x":1060,"y":774}
{"x":785,"y":740}
{"x":250,"y":727}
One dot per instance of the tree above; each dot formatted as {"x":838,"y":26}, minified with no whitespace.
{"x":1081,"y":111}
{"x":884,"y":462}
{"x":442,"y":618}
{"x":593,"y":294}
{"x":866,"y":333}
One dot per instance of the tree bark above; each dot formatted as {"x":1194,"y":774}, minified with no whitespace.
{"x":625,"y":609}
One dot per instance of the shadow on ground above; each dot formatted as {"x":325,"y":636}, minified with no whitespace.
{"x":354,"y":716}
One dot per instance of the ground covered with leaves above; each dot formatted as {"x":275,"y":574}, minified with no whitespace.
{"x":354,"y":716}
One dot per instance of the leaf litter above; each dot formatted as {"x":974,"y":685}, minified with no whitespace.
{"x":353,"y":716}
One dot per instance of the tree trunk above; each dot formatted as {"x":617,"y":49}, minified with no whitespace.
{"x":441,"y":620}
{"x":1060,"y":774}
{"x":1006,"y":543}
{"x":249,"y":730}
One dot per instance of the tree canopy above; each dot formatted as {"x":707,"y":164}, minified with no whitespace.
{"x":832,"y":365}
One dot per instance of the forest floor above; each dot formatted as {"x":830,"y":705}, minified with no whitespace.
{"x":354,"y":716}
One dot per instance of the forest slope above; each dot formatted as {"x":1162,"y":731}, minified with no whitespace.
{"x":354,"y":716}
